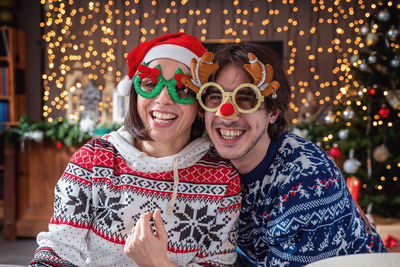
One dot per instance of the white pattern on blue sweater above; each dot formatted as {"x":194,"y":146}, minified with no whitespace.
{"x":297,"y":208}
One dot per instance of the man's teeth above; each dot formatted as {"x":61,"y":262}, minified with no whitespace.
{"x":230,"y":134}
{"x":163,"y":117}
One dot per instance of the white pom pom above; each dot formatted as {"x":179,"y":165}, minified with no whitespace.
{"x":124,"y":86}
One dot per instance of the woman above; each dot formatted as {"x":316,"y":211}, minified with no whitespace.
{"x":157,"y":162}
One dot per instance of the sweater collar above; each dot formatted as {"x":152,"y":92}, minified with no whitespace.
{"x":259,"y":172}
{"x":142,"y":162}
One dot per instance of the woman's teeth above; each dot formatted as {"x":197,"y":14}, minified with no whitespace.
{"x":230,"y":134}
{"x":163,"y":117}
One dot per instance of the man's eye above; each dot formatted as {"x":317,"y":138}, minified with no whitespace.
{"x":244,"y":98}
{"x":214,"y":97}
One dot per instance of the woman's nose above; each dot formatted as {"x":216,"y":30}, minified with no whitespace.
{"x":164,"y":97}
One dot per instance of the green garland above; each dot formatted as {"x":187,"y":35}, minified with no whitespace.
{"x":60,"y":131}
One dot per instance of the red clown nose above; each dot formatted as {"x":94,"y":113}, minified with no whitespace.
{"x":227,"y":109}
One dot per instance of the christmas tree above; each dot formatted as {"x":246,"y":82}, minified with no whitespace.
{"x":365,"y":127}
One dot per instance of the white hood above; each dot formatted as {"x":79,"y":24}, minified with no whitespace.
{"x":140,"y":161}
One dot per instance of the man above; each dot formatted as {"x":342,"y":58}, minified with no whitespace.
{"x":296,"y":207}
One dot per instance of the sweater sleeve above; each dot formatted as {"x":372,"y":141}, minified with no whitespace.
{"x":219,"y":246}
{"x":314,"y":217}
{"x":65,"y":242}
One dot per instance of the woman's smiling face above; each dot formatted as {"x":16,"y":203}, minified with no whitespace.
{"x":166,"y":120}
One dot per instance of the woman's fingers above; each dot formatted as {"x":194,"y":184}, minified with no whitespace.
{"x":145,"y":227}
{"x":159,"y":224}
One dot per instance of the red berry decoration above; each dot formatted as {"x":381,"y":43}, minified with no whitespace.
{"x":335,"y":151}
{"x":227,"y":109}
{"x":59,"y":145}
{"x":384,"y":112}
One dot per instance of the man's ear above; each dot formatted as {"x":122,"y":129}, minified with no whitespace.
{"x":273,"y":115}
{"x":200,"y":114}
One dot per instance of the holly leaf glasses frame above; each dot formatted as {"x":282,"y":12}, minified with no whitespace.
{"x":149,"y":83}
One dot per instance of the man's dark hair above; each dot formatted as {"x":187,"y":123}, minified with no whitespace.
{"x":237,"y":54}
{"x":135,"y":126}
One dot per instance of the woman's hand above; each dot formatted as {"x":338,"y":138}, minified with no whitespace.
{"x":144,"y":246}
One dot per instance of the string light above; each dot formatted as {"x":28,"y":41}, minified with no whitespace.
{"x":99,"y":34}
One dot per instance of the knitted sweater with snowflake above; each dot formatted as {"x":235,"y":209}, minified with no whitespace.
{"x":108,"y":184}
{"x":297,"y":208}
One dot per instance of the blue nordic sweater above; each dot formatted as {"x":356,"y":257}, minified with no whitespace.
{"x":297,"y":208}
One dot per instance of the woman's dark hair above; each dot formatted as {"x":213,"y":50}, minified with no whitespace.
{"x":237,"y":54}
{"x":135,"y":126}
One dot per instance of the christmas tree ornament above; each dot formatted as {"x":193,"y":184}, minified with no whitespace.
{"x":302,"y":133}
{"x":335,"y":151}
{"x":363,"y":66}
{"x":372,"y":59}
{"x":351,"y":165}
{"x":348,"y":113}
{"x":372,"y":92}
{"x":364,"y":29}
{"x":384,"y":112}
{"x":380,"y":153}
{"x":343,"y":134}
{"x":383,"y":15}
{"x":395,"y":63}
{"x":353,"y":184}
{"x":371,"y":38}
{"x":329,"y":118}
{"x":393,"y":98}
{"x":393,"y":32}
{"x":354,"y":58}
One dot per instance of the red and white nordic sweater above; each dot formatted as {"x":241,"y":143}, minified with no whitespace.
{"x":108,"y":184}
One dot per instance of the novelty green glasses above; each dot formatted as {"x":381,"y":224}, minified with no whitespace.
{"x":149,"y":83}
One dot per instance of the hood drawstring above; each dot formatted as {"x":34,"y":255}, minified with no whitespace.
{"x":175,"y":192}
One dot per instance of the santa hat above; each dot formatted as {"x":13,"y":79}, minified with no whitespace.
{"x":179,"y":46}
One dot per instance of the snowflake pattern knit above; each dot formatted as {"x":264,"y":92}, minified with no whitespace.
{"x":297,"y":209}
{"x":101,"y":194}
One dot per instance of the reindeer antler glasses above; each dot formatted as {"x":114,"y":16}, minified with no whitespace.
{"x":245,"y":98}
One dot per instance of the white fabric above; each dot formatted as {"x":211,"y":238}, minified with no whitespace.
{"x":124,"y":86}
{"x":176,"y":52}
{"x":360,"y":260}
{"x":140,"y":161}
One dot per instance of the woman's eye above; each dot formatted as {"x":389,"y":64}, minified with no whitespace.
{"x":147,"y":85}
{"x":150,"y":84}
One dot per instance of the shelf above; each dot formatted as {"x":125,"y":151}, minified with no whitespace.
{"x":12,"y":123}
{"x":1,"y":209}
{"x":12,"y":56}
